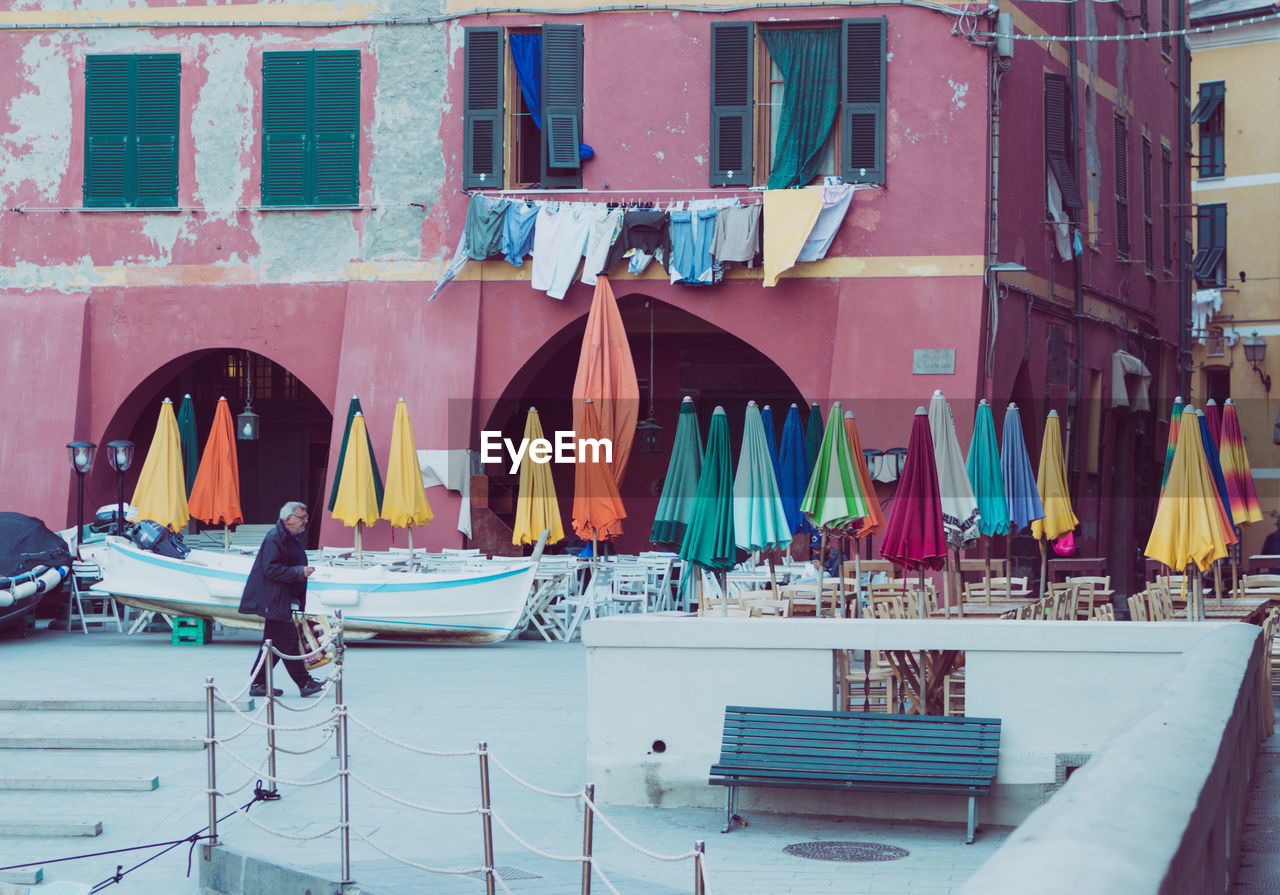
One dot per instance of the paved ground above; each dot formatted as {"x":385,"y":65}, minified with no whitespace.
{"x":1260,"y":845}
{"x":526,"y":699}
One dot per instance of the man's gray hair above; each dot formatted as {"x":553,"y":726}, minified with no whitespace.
{"x":290,"y":508}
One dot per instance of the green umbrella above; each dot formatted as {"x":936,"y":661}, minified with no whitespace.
{"x":813,"y":437}
{"x":675,"y":506}
{"x":187,"y":437}
{"x":987,"y":478}
{"x":1174,"y":418}
{"x":709,"y":542}
{"x":352,"y":410}
{"x":759,"y":521}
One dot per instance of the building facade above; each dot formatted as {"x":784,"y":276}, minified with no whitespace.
{"x":261,"y":198}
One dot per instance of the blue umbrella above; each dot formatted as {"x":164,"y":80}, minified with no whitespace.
{"x":771,"y":439}
{"x":1019,"y":481}
{"x":793,"y":476}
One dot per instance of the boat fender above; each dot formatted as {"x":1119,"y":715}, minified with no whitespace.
{"x":37,"y":581}
{"x":337,"y":596}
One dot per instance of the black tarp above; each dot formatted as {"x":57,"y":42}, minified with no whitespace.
{"x":25,"y":543}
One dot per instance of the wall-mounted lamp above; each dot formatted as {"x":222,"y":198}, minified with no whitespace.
{"x":1255,"y":352}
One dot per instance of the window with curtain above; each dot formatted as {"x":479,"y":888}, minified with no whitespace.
{"x":801,"y":93}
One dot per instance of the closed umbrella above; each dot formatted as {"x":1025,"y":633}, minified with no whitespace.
{"x":759,"y":521}
{"x":874,"y":520}
{"x":1207,"y":442}
{"x":1187,"y":527}
{"x":161,"y":494}
{"x":607,"y":375}
{"x":1051,"y":482}
{"x":1174,"y":417}
{"x":675,"y":505}
{"x":537,"y":509}
{"x":813,"y":437}
{"x":987,"y":478}
{"x":1213,"y":419}
{"x":709,"y":543}
{"x":959,"y":507}
{"x":1241,"y":495}
{"x":771,"y":438}
{"x":352,"y":409}
{"x":215,"y":496}
{"x":1020,"y":488}
{"x":794,"y":477}
{"x":404,"y":502}
{"x":597,"y":506}
{"x":356,"y":499}
{"x":190,"y":446}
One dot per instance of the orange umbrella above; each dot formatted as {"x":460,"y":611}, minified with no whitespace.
{"x":874,"y":520}
{"x":215,"y":495}
{"x":607,"y":376}
{"x":597,"y":506}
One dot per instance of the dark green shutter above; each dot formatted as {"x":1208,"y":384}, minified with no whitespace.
{"x":336,"y":122}
{"x":561,"y":105}
{"x":1057,"y":144}
{"x":156,"y":131}
{"x":482,"y":108}
{"x":1121,"y":134}
{"x":108,"y":125}
{"x":286,"y":99}
{"x":731,"y":103}
{"x":862,"y":116}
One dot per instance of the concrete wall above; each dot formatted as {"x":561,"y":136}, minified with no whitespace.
{"x":1061,"y":689}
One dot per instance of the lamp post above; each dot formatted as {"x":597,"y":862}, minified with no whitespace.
{"x":81,"y":456}
{"x":1255,"y":352}
{"x":120,"y":456}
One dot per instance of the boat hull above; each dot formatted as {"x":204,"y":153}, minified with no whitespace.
{"x":474,"y":607}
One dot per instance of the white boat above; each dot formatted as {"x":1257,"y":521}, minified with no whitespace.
{"x":471,"y":606}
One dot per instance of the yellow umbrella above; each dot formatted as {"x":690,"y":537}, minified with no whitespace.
{"x":161,"y":493}
{"x":536,"y":508}
{"x":357,"y":501}
{"x":1188,"y":525}
{"x":1051,"y":482}
{"x":404,"y":500}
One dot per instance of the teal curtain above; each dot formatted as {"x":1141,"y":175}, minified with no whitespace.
{"x":809,"y":60}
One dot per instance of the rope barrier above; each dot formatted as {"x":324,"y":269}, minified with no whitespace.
{"x":311,"y":654}
{"x":568,"y":859}
{"x":282,"y":834}
{"x":386,"y":795}
{"x":311,"y":703}
{"x":325,"y":740}
{"x":382,"y":736}
{"x":640,"y":848}
{"x":278,"y":779}
{"x":527,"y":785}
{"x":249,"y":725}
{"x":452,"y":871}
{"x":595,"y":868}
{"x":252,"y":719}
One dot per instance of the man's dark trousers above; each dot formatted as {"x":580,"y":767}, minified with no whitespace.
{"x":284,"y":637}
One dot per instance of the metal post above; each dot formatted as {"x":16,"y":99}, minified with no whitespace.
{"x":588,"y":823}
{"x":268,"y":664}
{"x":213,"y":771}
{"x":344,"y":795}
{"x":486,"y":819}
{"x":699,"y":884}
{"x":339,"y":654}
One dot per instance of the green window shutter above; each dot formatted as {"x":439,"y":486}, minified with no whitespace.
{"x":1121,"y":134}
{"x":561,"y":105}
{"x":862,"y":116}
{"x":337,"y":127}
{"x":156,"y":131}
{"x":1057,"y":143}
{"x":482,"y":108}
{"x":731,"y":103}
{"x":107,"y":130}
{"x":287,"y":94}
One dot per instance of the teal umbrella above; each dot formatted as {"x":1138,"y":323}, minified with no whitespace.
{"x":187,"y":438}
{"x":675,"y":506}
{"x":352,"y":409}
{"x":709,"y":541}
{"x":759,"y":521}
{"x":813,"y":437}
{"x":987,"y":479}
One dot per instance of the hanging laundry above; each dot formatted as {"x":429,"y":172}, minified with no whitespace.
{"x":517,"y":231}
{"x":642,"y":229}
{"x":691,"y":235}
{"x":559,"y":239}
{"x":789,"y":216}
{"x":459,"y":261}
{"x":737,"y":236}
{"x":604,"y":231}
{"x":835,"y":203}
{"x":483,"y":228}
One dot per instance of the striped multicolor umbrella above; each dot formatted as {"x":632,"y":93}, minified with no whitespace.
{"x":1214,"y":421}
{"x":874,"y":520}
{"x":834,"y":499}
{"x":1174,"y":417}
{"x":1234,"y":460}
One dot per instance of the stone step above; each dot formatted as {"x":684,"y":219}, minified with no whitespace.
{"x":80,"y":784}
{"x":118,"y":705}
{"x":15,"y":827}
{"x":170,"y":744}
{"x":27,"y":876}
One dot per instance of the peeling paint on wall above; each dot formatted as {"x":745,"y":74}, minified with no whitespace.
{"x":223,"y":132}
{"x":958,"y":92}
{"x":35,"y":148}
{"x":65,"y":278}
{"x":306,"y":246}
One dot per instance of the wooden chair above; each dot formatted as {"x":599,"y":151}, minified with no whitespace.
{"x":1103,"y":612}
{"x":1000,"y":588}
{"x":866,"y":689}
{"x":1252,"y":585}
{"x":953,"y":693}
{"x":1061,"y":602}
{"x":765,"y":607}
{"x":1159,"y":603}
{"x":1138,"y":608}
{"x":89,"y":607}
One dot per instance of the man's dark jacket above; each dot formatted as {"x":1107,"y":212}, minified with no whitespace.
{"x":277,"y":579}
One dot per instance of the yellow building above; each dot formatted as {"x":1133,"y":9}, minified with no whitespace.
{"x":1235,"y":312}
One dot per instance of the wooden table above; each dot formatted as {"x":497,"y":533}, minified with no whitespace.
{"x":1070,"y":566}
{"x":931,"y":665}
{"x":1259,"y":561}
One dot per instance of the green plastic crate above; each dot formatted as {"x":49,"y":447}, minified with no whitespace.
{"x":192,"y":630}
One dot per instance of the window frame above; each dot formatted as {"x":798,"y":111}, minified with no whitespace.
{"x":766,"y":137}
{"x":1059,"y":141}
{"x":1210,"y":116}
{"x":1209,"y":265}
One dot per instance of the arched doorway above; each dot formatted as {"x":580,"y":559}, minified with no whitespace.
{"x":690,"y":357}
{"x":287,"y":461}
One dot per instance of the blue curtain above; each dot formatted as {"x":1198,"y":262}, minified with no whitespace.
{"x":809,"y":60}
{"x":526,"y":54}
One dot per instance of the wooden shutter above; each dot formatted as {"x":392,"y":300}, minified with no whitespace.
{"x":561,"y":105}
{"x":156,"y":131}
{"x":1122,"y":186}
{"x":1057,"y":139}
{"x":732,"y":64}
{"x":482,"y":107}
{"x":1148,"y":226}
{"x":336,"y":124}
{"x":287,"y":93}
{"x":108,"y":126}
{"x":862,"y":113}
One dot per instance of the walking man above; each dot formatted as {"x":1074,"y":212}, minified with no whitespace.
{"x":278,"y":581}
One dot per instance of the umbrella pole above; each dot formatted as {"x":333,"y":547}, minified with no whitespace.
{"x":1217,"y":583}
{"x":722,"y":577}
{"x":1008,"y":564}
{"x":946,"y":585}
{"x":844,"y":605}
{"x":697,"y":588}
{"x":857,"y":583}
{"x":924,"y":656}
{"x":1044,"y":564}
{"x":773,"y":577}
{"x":1235,"y":570}
{"x":986,"y":559}
{"x":822,"y":567}
{"x":409,"y":530}
{"x":226,"y":538}
{"x":359,"y":546}
{"x":959,"y":586}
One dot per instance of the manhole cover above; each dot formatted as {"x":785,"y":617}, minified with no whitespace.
{"x":506,"y":872}
{"x":846,"y":851}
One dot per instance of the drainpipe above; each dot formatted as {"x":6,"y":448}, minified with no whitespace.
{"x":1184,"y":200}
{"x":1000,"y":53}
{"x":1077,"y":420}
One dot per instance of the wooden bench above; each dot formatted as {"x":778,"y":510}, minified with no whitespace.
{"x":813,"y":749}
